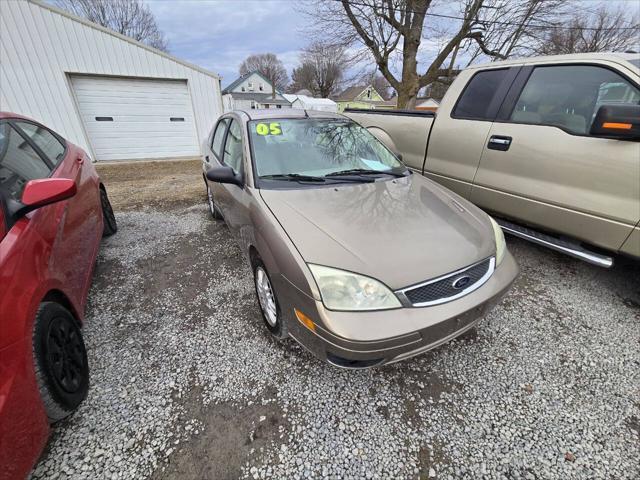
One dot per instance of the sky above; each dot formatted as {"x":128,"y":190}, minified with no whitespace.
{"x":219,"y":34}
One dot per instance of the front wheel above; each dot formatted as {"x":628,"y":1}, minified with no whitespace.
{"x":60,"y":360}
{"x":108,"y":217}
{"x":268,"y":302}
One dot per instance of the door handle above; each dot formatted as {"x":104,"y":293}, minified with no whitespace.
{"x":499,"y":142}
{"x":207,"y":158}
{"x":80,"y":160}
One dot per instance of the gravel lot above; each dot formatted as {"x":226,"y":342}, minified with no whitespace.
{"x":186,"y":383}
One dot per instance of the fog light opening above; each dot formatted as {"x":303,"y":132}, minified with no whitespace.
{"x":306,"y":321}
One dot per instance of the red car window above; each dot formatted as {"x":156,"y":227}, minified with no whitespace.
{"x":19,"y":162}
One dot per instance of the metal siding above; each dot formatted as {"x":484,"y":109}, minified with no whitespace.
{"x":39,"y":47}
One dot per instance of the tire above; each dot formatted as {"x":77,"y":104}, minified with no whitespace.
{"x":269,"y":306}
{"x":213,"y":210}
{"x":108,"y":217}
{"x":60,"y":361}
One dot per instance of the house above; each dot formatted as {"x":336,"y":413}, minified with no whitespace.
{"x":251,"y":91}
{"x":362,"y":96}
{"x":427,"y":103}
{"x":390,"y":104}
{"x":111,"y":95}
{"x":305,"y":102}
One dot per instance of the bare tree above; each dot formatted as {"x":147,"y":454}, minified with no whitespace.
{"x":270,"y":67}
{"x":131,"y":18}
{"x":605,"y":30}
{"x":392,"y":31}
{"x":321,"y":70}
{"x":302,"y":78}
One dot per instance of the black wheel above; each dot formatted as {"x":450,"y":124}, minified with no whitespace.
{"x":60,"y":361}
{"x":268,"y":301}
{"x":108,"y":217}
{"x":213,"y":210}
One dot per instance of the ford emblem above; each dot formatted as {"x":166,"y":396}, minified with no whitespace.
{"x":461,"y":282}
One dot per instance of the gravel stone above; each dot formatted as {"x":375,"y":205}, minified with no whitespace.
{"x":174,"y":333}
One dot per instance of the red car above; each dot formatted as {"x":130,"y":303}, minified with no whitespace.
{"x":53,"y":212}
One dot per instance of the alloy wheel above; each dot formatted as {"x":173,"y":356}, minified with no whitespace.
{"x":266,"y":297}
{"x":65,"y":354}
{"x":210,"y":200}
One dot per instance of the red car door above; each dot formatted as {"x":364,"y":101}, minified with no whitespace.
{"x":80,"y":217}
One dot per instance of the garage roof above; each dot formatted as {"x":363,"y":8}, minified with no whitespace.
{"x":122,"y":37}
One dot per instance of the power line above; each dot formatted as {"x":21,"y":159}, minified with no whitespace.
{"x":498,"y":22}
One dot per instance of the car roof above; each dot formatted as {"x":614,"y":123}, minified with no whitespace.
{"x":285,"y":113}
{"x":615,"y":56}
{"x":4,"y":115}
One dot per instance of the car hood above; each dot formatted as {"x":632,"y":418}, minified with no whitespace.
{"x":400,"y":231}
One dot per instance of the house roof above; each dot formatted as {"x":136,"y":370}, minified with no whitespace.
{"x":315,"y":101}
{"x":420,"y":100}
{"x":122,"y":37}
{"x":259,"y":97}
{"x":351,"y":93}
{"x":242,"y":78}
{"x":307,"y":100}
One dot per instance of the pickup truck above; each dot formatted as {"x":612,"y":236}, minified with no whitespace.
{"x":548,"y":146}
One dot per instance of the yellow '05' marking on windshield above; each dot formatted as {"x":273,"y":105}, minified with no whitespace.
{"x":272,"y":128}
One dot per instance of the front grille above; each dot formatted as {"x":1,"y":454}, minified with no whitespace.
{"x":442,"y":290}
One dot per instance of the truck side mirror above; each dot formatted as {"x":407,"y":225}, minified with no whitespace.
{"x":617,"y":121}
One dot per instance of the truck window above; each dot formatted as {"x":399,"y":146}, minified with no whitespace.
{"x":478,"y":94}
{"x":569,"y":96}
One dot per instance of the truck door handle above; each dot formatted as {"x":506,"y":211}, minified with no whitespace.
{"x":498,"y":142}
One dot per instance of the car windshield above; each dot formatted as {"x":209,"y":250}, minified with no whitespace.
{"x":305,"y":149}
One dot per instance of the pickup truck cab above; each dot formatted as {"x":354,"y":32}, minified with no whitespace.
{"x":549,"y":146}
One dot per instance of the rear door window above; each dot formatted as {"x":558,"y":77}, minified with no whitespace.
{"x":46,"y":141}
{"x":218,"y":136}
{"x":19,"y":162}
{"x":569,"y":96}
{"x":477,"y":99}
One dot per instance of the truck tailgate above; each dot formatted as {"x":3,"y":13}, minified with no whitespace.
{"x":404,"y":132}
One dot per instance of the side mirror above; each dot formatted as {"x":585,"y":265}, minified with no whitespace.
{"x":38,"y":193}
{"x":617,"y":121}
{"x":224,"y":174}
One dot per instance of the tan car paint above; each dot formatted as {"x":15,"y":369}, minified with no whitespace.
{"x":372,"y":228}
{"x":400,"y":231}
{"x":632,"y":245}
{"x":584,"y":187}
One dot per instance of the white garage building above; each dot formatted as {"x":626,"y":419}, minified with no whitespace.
{"x":113,"y":96}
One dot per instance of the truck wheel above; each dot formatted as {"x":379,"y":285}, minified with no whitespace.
{"x":60,"y":361}
{"x":108,"y":217}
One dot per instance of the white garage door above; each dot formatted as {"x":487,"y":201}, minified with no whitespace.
{"x":135,"y":118}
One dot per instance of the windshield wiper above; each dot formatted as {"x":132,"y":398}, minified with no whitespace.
{"x":297,"y":177}
{"x":294,"y":177}
{"x":364,"y":171}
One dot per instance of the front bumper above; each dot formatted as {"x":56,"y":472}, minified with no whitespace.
{"x":366,"y":339}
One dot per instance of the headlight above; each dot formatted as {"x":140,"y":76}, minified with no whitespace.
{"x":342,"y":290}
{"x":501,"y":246}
